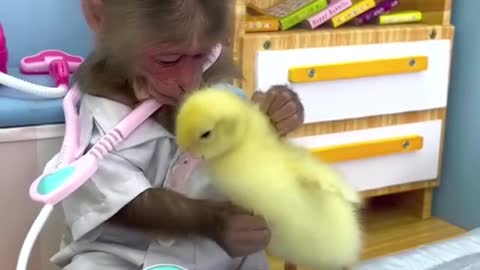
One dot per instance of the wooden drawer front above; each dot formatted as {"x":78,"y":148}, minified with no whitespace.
{"x":388,"y":164}
{"x":332,"y":87}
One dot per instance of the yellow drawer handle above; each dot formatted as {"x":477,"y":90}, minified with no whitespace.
{"x":369,"y":149}
{"x":351,"y":70}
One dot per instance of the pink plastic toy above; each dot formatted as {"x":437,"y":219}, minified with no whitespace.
{"x":58,"y":63}
{"x":54,"y":62}
{"x":3,"y":51}
{"x":53,"y":187}
{"x":71,"y":173}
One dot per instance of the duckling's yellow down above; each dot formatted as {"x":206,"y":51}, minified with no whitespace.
{"x":310,"y":210}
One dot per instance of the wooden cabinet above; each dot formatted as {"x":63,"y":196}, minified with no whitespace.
{"x":370,"y":86}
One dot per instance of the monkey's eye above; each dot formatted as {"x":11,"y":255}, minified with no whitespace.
{"x":205,"y":135}
{"x":169,"y":59}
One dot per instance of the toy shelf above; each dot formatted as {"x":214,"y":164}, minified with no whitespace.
{"x":397,"y":217}
{"x":358,"y":30}
{"x":434,"y":11}
{"x":435,"y":24}
{"x":249,"y":44}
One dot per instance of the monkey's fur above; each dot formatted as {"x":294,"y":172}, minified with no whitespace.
{"x":114,"y":66}
{"x":311,"y":211}
{"x":131,"y":26}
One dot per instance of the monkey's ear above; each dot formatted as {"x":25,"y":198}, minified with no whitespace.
{"x":213,"y":56}
{"x":93,"y":13}
{"x":140,"y":85}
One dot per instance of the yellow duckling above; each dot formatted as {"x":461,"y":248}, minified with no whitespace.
{"x":311,"y":212}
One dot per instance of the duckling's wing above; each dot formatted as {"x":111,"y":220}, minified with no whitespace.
{"x":313,"y":175}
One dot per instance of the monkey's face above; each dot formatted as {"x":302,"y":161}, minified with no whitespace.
{"x":167,"y":41}
{"x":176,"y":70}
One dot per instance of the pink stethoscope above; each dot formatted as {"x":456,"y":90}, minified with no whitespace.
{"x":73,"y":169}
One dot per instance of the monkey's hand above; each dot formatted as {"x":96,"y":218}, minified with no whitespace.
{"x":243,"y":234}
{"x":283,"y":106}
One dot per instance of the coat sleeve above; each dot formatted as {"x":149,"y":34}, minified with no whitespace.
{"x":114,"y":185}
{"x":122,"y":175}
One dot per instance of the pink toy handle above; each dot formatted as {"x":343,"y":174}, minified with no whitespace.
{"x":40,"y":62}
{"x":123,"y":129}
{"x":78,"y":172}
{"x":69,"y":150}
{"x":3,"y":51}
{"x":137,"y":116}
{"x":60,"y":72}
{"x":81,"y":170}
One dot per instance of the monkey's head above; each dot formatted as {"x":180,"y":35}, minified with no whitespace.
{"x":168,"y":42}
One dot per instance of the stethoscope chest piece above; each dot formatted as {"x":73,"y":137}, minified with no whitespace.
{"x":165,"y":267}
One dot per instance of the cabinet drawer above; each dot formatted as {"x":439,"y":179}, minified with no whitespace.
{"x":388,"y":164}
{"x":345,"y":82}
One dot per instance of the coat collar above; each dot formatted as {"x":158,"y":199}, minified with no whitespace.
{"x":105,"y":114}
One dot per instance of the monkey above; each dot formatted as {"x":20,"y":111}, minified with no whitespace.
{"x":126,"y":216}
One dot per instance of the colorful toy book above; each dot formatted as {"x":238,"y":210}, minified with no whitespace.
{"x":382,"y":7}
{"x":3,"y":51}
{"x":257,"y":21}
{"x":358,"y":7}
{"x":406,"y":16}
{"x":292,"y":12}
{"x":335,"y":7}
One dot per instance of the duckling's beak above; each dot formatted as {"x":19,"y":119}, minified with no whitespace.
{"x":192,"y":154}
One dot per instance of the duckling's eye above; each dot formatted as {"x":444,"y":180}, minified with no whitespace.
{"x":206,"y":134}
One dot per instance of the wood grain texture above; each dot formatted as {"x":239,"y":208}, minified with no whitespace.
{"x":419,"y":201}
{"x":254,"y":42}
{"x":368,"y":122}
{"x":240,"y":13}
{"x":403,"y":188}
{"x":390,"y":229}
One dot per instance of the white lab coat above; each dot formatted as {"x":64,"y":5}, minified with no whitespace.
{"x":145,"y":159}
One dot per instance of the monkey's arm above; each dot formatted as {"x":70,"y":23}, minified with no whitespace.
{"x":124,"y":189}
{"x":158,"y":210}
{"x":166,"y":212}
{"x":120,"y":194}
